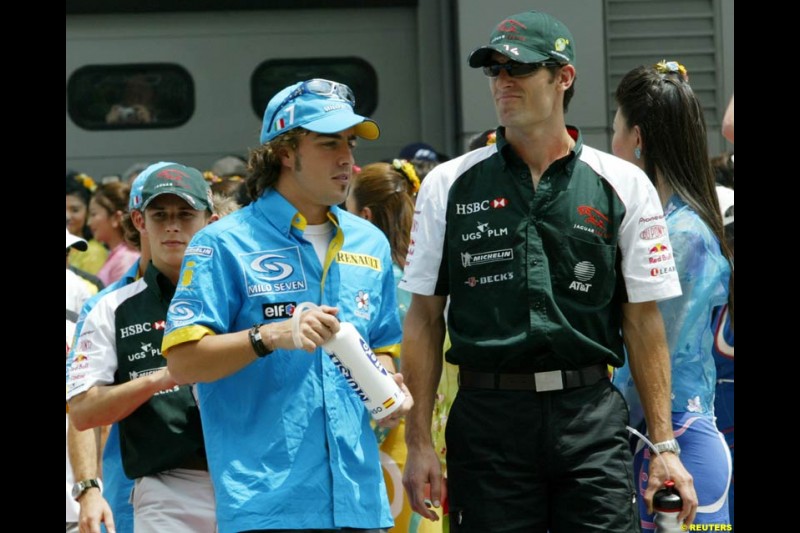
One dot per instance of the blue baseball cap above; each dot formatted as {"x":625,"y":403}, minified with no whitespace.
{"x":318,"y":105}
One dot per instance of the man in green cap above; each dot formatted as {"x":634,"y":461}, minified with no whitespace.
{"x":542,"y":245}
{"x":119,"y":375}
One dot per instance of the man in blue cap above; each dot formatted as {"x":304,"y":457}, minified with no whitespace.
{"x":289,"y":443}
{"x":551,"y":238}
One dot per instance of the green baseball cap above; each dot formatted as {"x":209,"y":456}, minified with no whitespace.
{"x":182,"y":181}
{"x":530,"y":37}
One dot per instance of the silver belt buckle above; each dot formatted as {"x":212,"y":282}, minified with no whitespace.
{"x":548,"y":381}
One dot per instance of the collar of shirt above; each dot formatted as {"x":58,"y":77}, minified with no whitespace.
{"x":511,"y":159}
{"x":283,"y":215}
{"x":159,"y":283}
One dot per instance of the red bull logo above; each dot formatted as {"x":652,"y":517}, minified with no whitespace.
{"x":658,"y":248}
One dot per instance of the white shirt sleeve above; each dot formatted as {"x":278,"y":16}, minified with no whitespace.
{"x":95,"y":359}
{"x":425,"y":249}
{"x":647,"y":262}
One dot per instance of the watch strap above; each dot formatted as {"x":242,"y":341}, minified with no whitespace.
{"x":82,"y":486}
{"x":257,"y":342}
{"x":670,"y":445}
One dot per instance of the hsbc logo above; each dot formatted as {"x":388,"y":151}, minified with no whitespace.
{"x":499,"y":203}
{"x":136,"y":329}
{"x":279,"y":310}
{"x":477,"y":207}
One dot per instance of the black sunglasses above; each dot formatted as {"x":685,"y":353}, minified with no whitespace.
{"x":516,"y":70}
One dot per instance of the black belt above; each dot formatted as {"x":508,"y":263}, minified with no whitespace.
{"x":538,"y":382}
{"x":194,"y":462}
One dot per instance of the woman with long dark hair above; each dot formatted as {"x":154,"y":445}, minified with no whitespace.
{"x":660,"y":127}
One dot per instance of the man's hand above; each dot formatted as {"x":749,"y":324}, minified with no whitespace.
{"x":162,"y":380}
{"x":94,"y":511}
{"x":394,"y":419}
{"x":422,"y":469}
{"x":683,"y":483}
{"x":316,"y":327}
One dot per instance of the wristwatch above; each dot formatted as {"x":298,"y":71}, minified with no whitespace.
{"x":82,"y":486}
{"x":667,"y":446}
{"x":257,"y":342}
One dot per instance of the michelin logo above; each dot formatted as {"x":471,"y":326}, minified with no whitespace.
{"x":482,"y":258}
{"x":203,"y":251}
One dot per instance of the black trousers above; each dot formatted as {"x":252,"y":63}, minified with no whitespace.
{"x":522,"y":461}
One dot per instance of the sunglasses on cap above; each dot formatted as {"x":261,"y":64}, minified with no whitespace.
{"x":320,"y":87}
{"x":516,"y":70}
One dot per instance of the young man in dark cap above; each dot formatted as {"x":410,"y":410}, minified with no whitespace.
{"x":289,"y":442}
{"x":541,"y":243}
{"x":119,"y":375}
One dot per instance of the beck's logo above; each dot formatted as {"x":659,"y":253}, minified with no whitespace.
{"x":474,"y":281}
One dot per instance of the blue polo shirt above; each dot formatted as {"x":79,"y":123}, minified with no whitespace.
{"x":289,"y":444}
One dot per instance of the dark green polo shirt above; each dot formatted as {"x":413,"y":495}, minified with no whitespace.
{"x":120,"y":342}
{"x":536,"y":278}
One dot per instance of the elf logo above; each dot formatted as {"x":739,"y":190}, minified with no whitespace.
{"x":477,"y":207}
{"x":279,"y":310}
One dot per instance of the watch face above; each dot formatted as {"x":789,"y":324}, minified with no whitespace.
{"x":82,"y":486}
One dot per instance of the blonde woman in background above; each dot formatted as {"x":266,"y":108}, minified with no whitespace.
{"x":383,"y":193}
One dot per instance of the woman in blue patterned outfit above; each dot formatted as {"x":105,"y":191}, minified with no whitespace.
{"x":659,"y":127}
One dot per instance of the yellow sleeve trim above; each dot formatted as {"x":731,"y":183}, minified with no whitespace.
{"x":392,"y":349}
{"x":182,"y":335}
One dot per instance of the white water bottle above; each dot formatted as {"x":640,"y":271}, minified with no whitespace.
{"x":365,"y":374}
{"x":667,"y":504}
